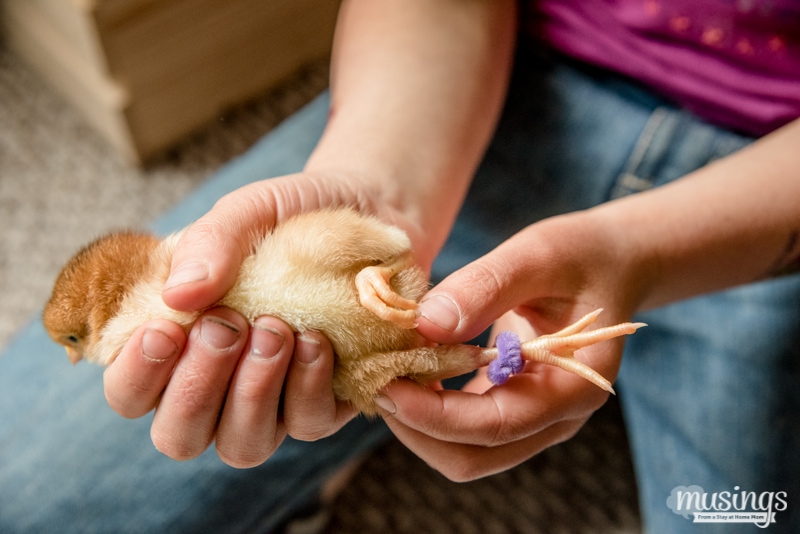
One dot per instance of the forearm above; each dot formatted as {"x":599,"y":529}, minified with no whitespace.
{"x":417,"y":86}
{"x":734,"y":221}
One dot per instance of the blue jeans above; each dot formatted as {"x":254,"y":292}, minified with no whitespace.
{"x":709,"y":389}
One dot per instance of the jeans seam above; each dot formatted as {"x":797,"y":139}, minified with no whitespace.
{"x":629,"y":182}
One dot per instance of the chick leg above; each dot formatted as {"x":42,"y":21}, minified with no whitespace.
{"x":559,"y":348}
{"x":360,"y":380}
{"x":376,"y":294}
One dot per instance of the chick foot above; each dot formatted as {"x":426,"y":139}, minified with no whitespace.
{"x":558,"y":349}
{"x":376,"y":294}
{"x":359,"y":381}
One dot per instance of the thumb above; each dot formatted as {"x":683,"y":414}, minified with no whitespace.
{"x":468,"y":301}
{"x":210,"y":251}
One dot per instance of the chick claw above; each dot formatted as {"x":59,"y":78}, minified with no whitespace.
{"x":559,"y":348}
{"x":376,"y":294}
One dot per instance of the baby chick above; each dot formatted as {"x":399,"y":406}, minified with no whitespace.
{"x":349,"y":276}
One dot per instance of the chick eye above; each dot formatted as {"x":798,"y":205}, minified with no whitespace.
{"x":72,"y":339}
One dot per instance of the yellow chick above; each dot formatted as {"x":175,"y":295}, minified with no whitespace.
{"x":344,"y":274}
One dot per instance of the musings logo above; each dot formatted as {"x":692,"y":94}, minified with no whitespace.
{"x":737,"y":506}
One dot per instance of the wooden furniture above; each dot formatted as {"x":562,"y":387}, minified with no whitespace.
{"x":146,"y":73}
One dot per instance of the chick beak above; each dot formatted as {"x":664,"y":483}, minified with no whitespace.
{"x":74,"y":355}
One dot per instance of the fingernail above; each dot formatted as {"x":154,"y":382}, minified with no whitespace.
{"x":157,"y":346}
{"x":266,"y":342}
{"x":307,"y":350}
{"x":385,"y":403}
{"x":193,"y":271}
{"x":441,"y":311}
{"x":218,"y":333}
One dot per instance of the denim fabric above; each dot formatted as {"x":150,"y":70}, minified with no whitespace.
{"x":69,"y":464}
{"x":709,"y":389}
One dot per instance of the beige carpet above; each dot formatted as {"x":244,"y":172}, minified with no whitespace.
{"x":60,"y":186}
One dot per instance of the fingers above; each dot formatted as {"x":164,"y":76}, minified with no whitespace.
{"x":552,"y":264}
{"x":227,"y":386}
{"x":462,"y":463}
{"x":500,"y":416}
{"x":250,"y":429}
{"x":465,"y":303}
{"x":186,"y":418}
{"x":210,"y":251}
{"x":469,"y":435}
{"x":134,"y":381}
{"x":311,"y":411}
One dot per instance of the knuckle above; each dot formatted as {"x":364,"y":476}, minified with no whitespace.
{"x":491,"y":430}
{"x":194,"y":400}
{"x":200,"y":234}
{"x":233,"y":213}
{"x":431,"y":427}
{"x":211,"y":237}
{"x":485,"y":283}
{"x":308,"y":431}
{"x":509,"y":430}
{"x":251,"y":395}
{"x":490,"y":276}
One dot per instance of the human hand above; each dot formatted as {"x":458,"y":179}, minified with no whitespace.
{"x":227,"y":386}
{"x":380,"y":153}
{"x":224,"y":380}
{"x":210,"y":251}
{"x":550,"y":274}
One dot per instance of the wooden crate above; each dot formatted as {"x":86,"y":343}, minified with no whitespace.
{"x":146,"y":73}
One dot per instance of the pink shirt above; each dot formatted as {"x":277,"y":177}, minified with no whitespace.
{"x":735,"y":63}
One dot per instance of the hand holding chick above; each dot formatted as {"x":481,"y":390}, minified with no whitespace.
{"x":345,"y":275}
